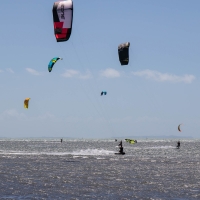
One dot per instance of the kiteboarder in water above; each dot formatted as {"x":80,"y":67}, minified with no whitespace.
{"x":61,"y":140}
{"x":121,"y":149}
{"x":120,"y":144}
{"x":178,"y":145}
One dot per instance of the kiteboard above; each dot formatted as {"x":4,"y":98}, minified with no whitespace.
{"x":120,"y":153}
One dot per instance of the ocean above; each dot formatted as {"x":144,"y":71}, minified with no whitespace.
{"x":89,"y":169}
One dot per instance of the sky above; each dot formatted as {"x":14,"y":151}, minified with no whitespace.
{"x":151,"y":96}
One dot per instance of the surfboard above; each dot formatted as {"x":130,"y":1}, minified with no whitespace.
{"x":120,"y":153}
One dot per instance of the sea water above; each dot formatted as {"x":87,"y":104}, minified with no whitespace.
{"x":89,"y":169}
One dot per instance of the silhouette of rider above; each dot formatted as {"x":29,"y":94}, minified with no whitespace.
{"x":178,"y":144}
{"x":121,"y":149}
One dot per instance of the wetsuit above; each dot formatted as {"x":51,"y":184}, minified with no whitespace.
{"x":121,"y":149}
{"x":178,"y":144}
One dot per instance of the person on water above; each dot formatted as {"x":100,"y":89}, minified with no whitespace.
{"x":178,"y":144}
{"x":121,"y":149}
{"x":61,"y":140}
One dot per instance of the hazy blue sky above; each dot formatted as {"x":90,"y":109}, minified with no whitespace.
{"x":158,"y":90}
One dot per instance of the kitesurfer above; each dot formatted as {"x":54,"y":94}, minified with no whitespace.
{"x":120,"y":144}
{"x":121,"y":149}
{"x":178,"y":145}
{"x":61,"y":140}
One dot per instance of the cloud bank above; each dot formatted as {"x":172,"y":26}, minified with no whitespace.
{"x":10,"y":70}
{"x":76,"y":74}
{"x":33,"y":72}
{"x":110,"y":73}
{"x":12,"y":113}
{"x":161,"y":77}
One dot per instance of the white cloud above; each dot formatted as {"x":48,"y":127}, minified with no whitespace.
{"x":76,"y":74}
{"x":161,"y":77}
{"x":46,"y":116}
{"x":10,"y":70}
{"x":12,"y":113}
{"x":110,"y":73}
{"x":33,"y":72}
{"x":147,"y":119}
{"x":70,"y":73}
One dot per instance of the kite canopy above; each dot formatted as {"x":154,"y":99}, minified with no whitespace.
{"x":26,"y":102}
{"x":103,"y":93}
{"x":131,"y":141}
{"x":179,"y":127}
{"x":52,"y":62}
{"x":123,"y":51}
{"x":62,"y":19}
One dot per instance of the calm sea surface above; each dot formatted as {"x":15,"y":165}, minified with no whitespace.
{"x":88,"y":169}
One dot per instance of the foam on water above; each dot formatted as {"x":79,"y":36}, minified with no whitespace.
{"x":100,"y":158}
{"x":75,"y":153}
{"x":156,"y":147}
{"x":93,"y":152}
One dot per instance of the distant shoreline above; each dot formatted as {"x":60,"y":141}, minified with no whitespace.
{"x":109,"y":138}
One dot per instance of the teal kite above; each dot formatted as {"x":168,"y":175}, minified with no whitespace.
{"x":103,"y":93}
{"x":52,"y":63}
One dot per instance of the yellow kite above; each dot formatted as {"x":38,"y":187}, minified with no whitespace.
{"x":26,"y":101}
